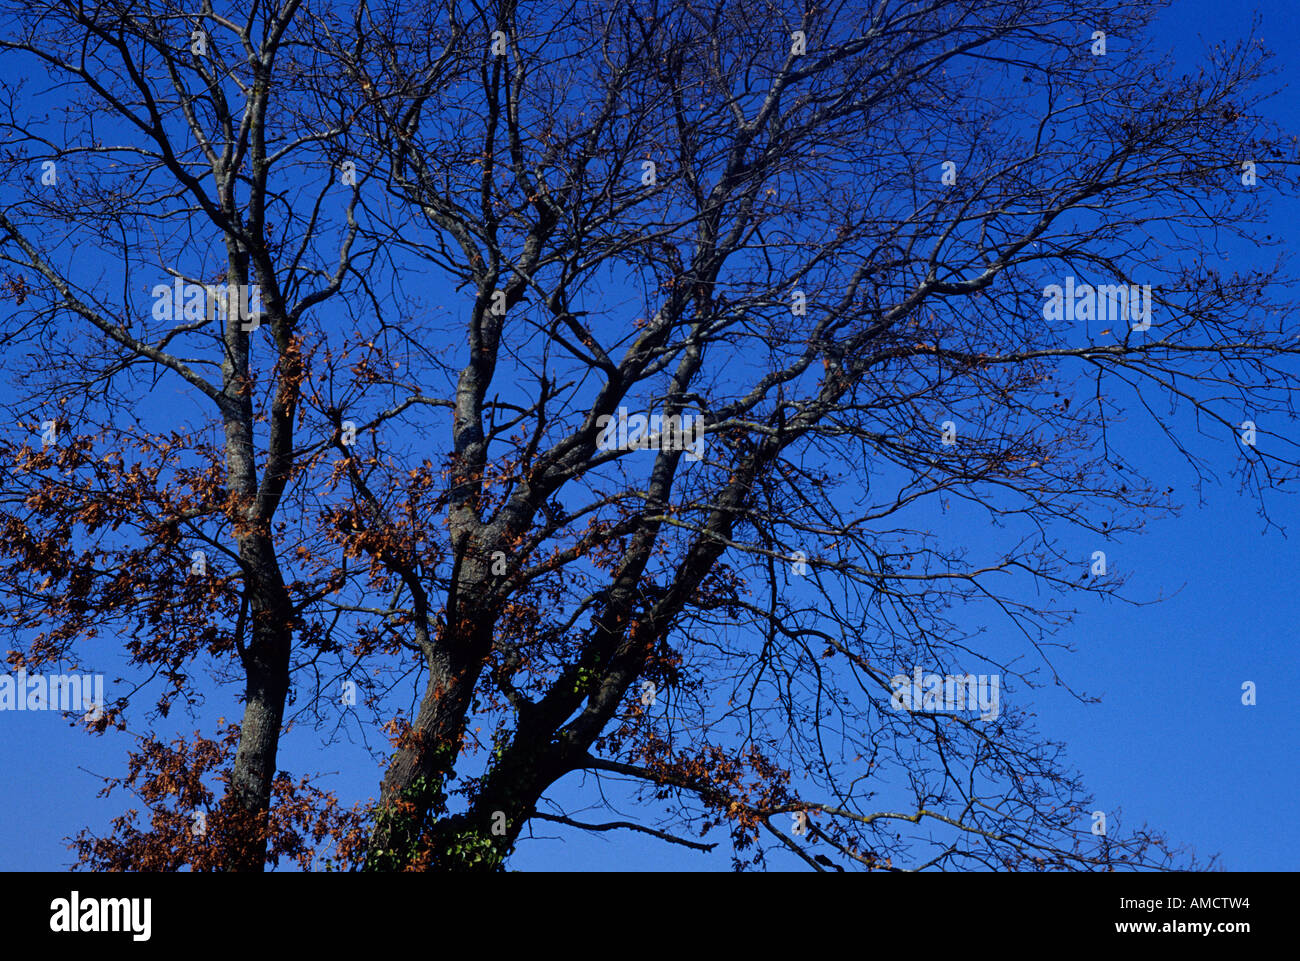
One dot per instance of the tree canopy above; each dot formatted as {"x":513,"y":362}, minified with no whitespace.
{"x":646,"y":391}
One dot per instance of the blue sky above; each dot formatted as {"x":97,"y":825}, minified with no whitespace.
{"x":1170,"y":743}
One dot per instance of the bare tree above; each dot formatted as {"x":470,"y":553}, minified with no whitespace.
{"x":749,"y":312}
{"x":174,"y":166}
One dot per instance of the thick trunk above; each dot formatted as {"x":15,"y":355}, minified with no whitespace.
{"x":254,"y":769}
{"x":266,"y":657}
{"x":414,"y":787}
{"x":482,"y":838}
{"x":266,"y":689}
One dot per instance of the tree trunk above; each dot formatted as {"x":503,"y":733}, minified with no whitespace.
{"x":415,"y":784}
{"x":266,"y":663}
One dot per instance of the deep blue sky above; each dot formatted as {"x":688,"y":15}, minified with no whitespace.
{"x":1170,"y":743}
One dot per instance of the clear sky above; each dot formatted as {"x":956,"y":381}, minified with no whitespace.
{"x":1170,"y":744}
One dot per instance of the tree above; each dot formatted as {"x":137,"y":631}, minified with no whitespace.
{"x":736,"y":300}
{"x":194,"y":533}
